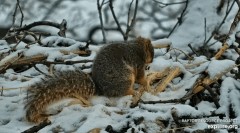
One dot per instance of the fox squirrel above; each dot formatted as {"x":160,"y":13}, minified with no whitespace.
{"x":115,"y":70}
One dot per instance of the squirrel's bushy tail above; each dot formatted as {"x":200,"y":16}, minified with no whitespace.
{"x":61,"y":85}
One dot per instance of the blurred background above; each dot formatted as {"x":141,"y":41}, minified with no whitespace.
{"x":154,"y":19}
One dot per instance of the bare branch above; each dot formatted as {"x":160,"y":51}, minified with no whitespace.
{"x":205,"y":30}
{"x":115,"y":18}
{"x":39,"y":70}
{"x":14,"y":14}
{"x":190,"y":46}
{"x":225,"y":17}
{"x":38,"y":23}
{"x":180,"y":19}
{"x":130,"y":27}
{"x":38,"y":127}
{"x":101,"y":19}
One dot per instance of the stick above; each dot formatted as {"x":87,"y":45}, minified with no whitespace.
{"x":38,"y":23}
{"x":172,"y":74}
{"x":225,"y":17}
{"x":221,"y":51}
{"x":115,"y":18}
{"x":214,"y":95}
{"x":205,"y":80}
{"x":180,"y":19}
{"x":21,"y":13}
{"x":157,"y":75}
{"x":190,"y":46}
{"x":165,"y":101}
{"x":101,"y":20}
{"x":38,"y":127}
{"x":130,"y":27}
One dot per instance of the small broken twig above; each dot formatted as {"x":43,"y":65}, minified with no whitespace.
{"x":38,"y":127}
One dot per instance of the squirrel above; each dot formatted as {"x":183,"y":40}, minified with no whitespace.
{"x":115,"y":69}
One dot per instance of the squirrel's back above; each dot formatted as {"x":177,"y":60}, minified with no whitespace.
{"x":64,"y":84}
{"x":117,"y":66}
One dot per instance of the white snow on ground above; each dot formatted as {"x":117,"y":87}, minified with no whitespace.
{"x":116,"y":111}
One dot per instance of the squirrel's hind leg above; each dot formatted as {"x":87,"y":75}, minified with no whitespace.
{"x":80,"y":100}
{"x":130,"y":89}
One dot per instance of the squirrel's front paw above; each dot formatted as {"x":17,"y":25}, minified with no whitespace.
{"x":135,"y":99}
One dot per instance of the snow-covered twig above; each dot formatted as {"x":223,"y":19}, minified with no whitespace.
{"x":170,"y":75}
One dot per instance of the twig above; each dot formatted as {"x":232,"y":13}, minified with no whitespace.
{"x":14,"y":14}
{"x":21,"y":13}
{"x":39,"y":23}
{"x":63,"y":28}
{"x":235,"y":22}
{"x":190,"y":46}
{"x":221,"y":51}
{"x":225,"y":17}
{"x":38,"y":127}
{"x":205,"y":80}
{"x":163,"y":84}
{"x":212,"y":94}
{"x":87,"y":44}
{"x":14,"y":47}
{"x":189,"y":57}
{"x":39,"y":70}
{"x":205,"y":30}
{"x":115,"y":18}
{"x":101,"y":19}
{"x":181,"y":100}
{"x":180,"y":19}
{"x":2,"y":91}
{"x":33,"y":62}
{"x":130,"y":27}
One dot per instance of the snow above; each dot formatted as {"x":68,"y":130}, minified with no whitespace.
{"x":116,"y":111}
{"x":217,"y":66}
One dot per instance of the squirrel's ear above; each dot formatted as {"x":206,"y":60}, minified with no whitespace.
{"x":147,"y":41}
{"x":143,"y":41}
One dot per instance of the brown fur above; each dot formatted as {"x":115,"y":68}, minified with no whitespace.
{"x":72,"y":84}
{"x":118,"y":66}
{"x":115,"y":70}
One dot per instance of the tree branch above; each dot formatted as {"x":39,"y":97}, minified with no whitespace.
{"x":130,"y":27}
{"x":115,"y":18}
{"x":180,"y":19}
{"x":101,"y":19}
